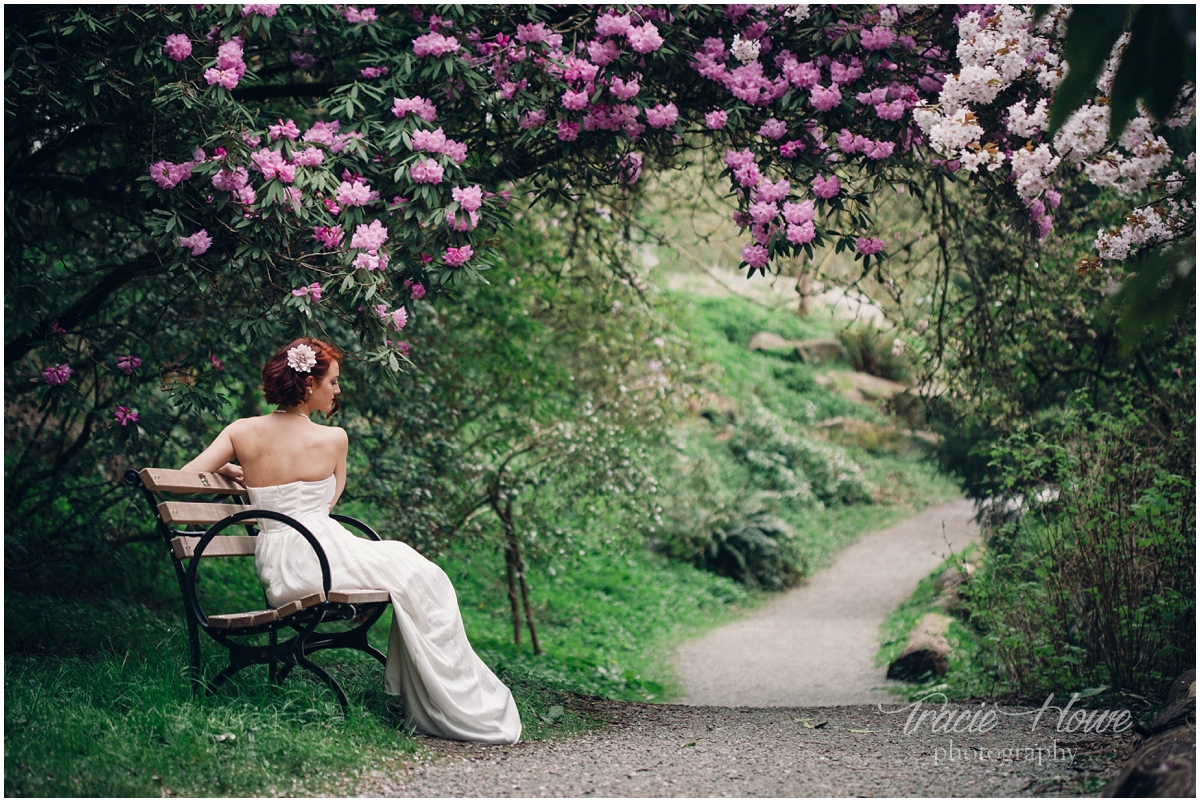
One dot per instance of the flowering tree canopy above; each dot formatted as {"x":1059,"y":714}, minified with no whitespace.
{"x":335,"y":163}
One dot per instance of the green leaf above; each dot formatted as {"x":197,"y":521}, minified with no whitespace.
{"x":1161,"y":290}
{"x":1159,"y":59}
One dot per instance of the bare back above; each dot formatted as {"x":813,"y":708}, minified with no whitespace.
{"x":277,"y":449}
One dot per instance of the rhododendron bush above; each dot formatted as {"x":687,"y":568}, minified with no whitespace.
{"x":375,"y":150}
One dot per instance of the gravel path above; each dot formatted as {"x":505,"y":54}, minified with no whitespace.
{"x":816,"y":645}
{"x":675,"y":750}
{"x":803,"y":669}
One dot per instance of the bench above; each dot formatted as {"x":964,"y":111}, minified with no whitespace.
{"x":228,"y":528}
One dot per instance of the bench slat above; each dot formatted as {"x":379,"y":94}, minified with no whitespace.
{"x":220,"y":546}
{"x":258,"y":617}
{"x":193,"y":512}
{"x":358,"y":596}
{"x":164,"y":480}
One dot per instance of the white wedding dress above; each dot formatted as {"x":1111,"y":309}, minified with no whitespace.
{"x":447,"y":690}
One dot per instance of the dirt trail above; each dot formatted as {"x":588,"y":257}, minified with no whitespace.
{"x":816,"y":644}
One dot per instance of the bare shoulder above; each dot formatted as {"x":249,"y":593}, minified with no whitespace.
{"x":336,"y":434}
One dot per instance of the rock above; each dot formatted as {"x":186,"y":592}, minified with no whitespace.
{"x":772,"y":343}
{"x":861,"y":388}
{"x":1164,"y":767}
{"x":927,"y":650}
{"x":1179,"y":706}
{"x":908,"y":407}
{"x":818,"y":352}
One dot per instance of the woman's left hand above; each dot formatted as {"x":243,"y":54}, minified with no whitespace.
{"x":234,"y":472}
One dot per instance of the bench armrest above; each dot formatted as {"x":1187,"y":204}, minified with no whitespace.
{"x":357,"y":524}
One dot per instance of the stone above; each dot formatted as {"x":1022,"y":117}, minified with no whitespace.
{"x":926,"y":652}
{"x":772,"y":343}
{"x":818,"y":352}
{"x":1165,"y":765}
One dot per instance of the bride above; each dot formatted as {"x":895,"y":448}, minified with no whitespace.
{"x":294,"y":466}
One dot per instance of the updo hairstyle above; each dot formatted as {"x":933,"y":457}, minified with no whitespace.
{"x":285,"y":386}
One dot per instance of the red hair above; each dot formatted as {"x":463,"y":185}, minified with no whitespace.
{"x":286,"y":386}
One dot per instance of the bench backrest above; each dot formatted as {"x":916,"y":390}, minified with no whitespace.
{"x":164,"y":484}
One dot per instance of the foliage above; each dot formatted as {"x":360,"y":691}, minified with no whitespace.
{"x":872,"y":351}
{"x":1099,"y":585}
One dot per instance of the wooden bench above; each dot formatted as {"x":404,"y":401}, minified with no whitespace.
{"x":231,"y":531}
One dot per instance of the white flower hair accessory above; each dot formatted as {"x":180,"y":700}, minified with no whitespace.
{"x":301,"y":358}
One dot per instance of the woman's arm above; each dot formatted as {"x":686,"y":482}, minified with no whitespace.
{"x":341,"y":446}
{"x":216,"y":458}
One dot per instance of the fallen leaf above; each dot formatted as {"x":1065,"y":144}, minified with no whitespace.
{"x":862,"y":730}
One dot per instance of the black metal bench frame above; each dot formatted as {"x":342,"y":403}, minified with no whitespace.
{"x":303,"y":617}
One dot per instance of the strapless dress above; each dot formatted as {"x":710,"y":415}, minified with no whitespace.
{"x":447,"y":690}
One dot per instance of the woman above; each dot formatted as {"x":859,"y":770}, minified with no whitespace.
{"x":291,"y":465}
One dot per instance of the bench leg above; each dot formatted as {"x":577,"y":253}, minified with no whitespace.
{"x":304,"y":662}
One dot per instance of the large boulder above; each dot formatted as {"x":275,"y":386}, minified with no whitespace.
{"x":818,"y":352}
{"x":771,"y":343}
{"x":862,"y":388}
{"x":926,"y":652}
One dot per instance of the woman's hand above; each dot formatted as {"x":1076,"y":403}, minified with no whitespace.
{"x":234,"y":472}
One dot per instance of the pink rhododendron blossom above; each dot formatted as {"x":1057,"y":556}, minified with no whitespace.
{"x":825,"y":98}
{"x":330,"y":237}
{"x":228,"y":180}
{"x":788,"y":150}
{"x":355,"y":194}
{"x":226,"y":78}
{"x":457,"y":257}
{"x":178,"y":47}
{"x":773,"y":129}
{"x":602,"y":53}
{"x":302,"y":60}
{"x":426,"y":171}
{"x":624,"y":90}
{"x":465,"y":222}
{"x":263,"y":9}
{"x":469,"y":198}
{"x":282,"y":130}
{"x":415,"y":105}
{"x":311,"y":291}
{"x":403,"y":347}
{"x":826,"y":187}
{"x":772,"y":193}
{"x":374,"y":72}
{"x":644,"y":39}
{"x":799,"y":213}
{"x":567,"y":130}
{"x":434,"y":44}
{"x":841,"y":73}
{"x":168,"y":175}
{"x":575,"y":101}
{"x":125,"y":416}
{"x":57,"y":376}
{"x":891,"y":111}
{"x":532,"y":119}
{"x":371,"y":237}
{"x":879,"y":150}
{"x":246,"y":195}
{"x":802,"y":233}
{"x":417,"y":291}
{"x":868,"y":245}
{"x":309,"y":157}
{"x":370,"y":261}
{"x":331,"y":206}
{"x":629,"y":168}
{"x":662,"y":116}
{"x":456,"y":151}
{"x":354,"y":15}
{"x":763,"y":213}
{"x":612,"y":25}
{"x":755,"y":256}
{"x":270,"y":163}
{"x":716,"y":120}
{"x":198,"y":242}
{"x":322,"y":133}
{"x":878,"y":38}
{"x":217,"y":364}
{"x":431,"y":141}
{"x":128,"y":364}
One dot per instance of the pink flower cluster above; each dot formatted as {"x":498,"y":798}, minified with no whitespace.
{"x":230,"y":67}
{"x":396,"y":319}
{"x":57,"y":376}
{"x":178,"y":47}
{"x":868,"y":245}
{"x":457,"y":257}
{"x":311,"y":291}
{"x":434,"y":44}
{"x":417,"y":291}
{"x":355,"y":16}
{"x":850,"y":144}
{"x":356,"y":193}
{"x":662,"y":116}
{"x":374,"y":72}
{"x":198,"y":243}
{"x":426,"y":171}
{"x":417,"y":106}
{"x":263,"y":9}
{"x":826,"y":187}
{"x":369,"y":237}
{"x":283,"y":130}
{"x":125,"y":416}
{"x":272,"y":164}
{"x":168,"y":175}
{"x":330,"y":237}
{"x":128,"y":364}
